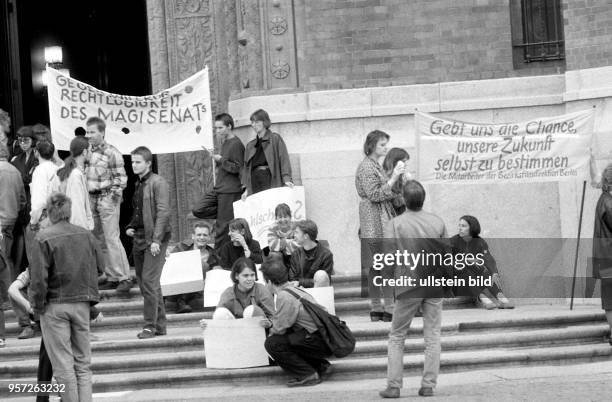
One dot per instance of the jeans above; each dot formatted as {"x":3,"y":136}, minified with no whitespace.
{"x":65,"y":328}
{"x":106,"y":219}
{"x":148,"y":271}
{"x":404,"y":311}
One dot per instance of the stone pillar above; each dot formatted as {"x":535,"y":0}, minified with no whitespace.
{"x":183,"y":39}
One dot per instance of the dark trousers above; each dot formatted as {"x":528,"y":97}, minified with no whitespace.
{"x":218,"y":206}
{"x":298,"y":353}
{"x":148,"y":271}
{"x":45,"y":369}
{"x":261,"y":180}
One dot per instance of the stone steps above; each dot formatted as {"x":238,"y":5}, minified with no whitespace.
{"x":188,"y":352}
{"x":348,"y":368}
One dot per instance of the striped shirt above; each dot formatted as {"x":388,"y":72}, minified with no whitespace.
{"x":104,"y":170}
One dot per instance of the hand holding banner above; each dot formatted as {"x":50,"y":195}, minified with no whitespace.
{"x":258,"y":209}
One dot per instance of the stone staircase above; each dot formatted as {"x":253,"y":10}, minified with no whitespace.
{"x":471,"y":338}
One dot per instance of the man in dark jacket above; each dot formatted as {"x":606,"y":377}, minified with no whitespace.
{"x":150,"y":229}
{"x":64,"y":284}
{"x":218,"y":204}
{"x":312,"y":264}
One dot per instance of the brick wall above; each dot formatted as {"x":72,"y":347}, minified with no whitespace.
{"x":366,"y":43}
{"x":588,"y":33}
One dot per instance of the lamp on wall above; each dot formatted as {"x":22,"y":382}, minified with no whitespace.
{"x":53,"y":55}
{"x":53,"y":58}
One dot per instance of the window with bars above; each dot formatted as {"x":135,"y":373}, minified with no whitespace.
{"x":537,"y":30}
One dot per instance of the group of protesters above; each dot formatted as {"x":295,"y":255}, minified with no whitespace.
{"x":64,"y":219}
{"x":60,"y":241}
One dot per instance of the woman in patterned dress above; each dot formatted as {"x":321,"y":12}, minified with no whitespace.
{"x":376,"y":191}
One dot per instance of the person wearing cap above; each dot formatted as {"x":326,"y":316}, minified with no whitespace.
{"x":602,"y":243}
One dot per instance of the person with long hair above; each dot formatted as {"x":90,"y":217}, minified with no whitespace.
{"x":393,"y":157}
{"x":71,"y":181}
{"x":468,"y":240}
{"x":246,"y":298}
{"x":266,"y":160}
{"x":241,"y":244}
{"x":376,"y":192}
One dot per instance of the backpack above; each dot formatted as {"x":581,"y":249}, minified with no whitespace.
{"x":335,"y":333}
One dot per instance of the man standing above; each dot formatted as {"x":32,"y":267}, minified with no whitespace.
{"x":64,"y":284}
{"x":106,"y":180}
{"x":12,"y":201}
{"x":312,"y":264}
{"x":415,"y":231}
{"x":150,"y":229}
{"x":218,"y":204}
{"x":199,"y":241}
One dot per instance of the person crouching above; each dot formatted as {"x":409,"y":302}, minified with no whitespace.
{"x":294,"y":342}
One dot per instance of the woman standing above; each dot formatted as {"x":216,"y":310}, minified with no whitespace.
{"x":71,"y":181}
{"x":376,"y":191}
{"x":602,"y":243}
{"x":266,"y":161}
{"x":468,"y":240}
{"x":395,"y":156}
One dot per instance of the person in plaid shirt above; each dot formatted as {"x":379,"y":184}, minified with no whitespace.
{"x":106,"y":180}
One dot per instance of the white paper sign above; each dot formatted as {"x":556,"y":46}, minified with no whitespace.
{"x":258,"y":209}
{"x":174,"y":120}
{"x":182,"y":273}
{"x":324,"y":296}
{"x":235,"y":343}
{"x":217,"y":280}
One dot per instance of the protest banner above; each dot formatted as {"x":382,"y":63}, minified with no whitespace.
{"x":182,"y":273}
{"x":541,"y":149}
{"x":235,"y":343}
{"x":324,"y":296}
{"x":258,"y":209}
{"x":217,"y":280}
{"x":174,"y":120}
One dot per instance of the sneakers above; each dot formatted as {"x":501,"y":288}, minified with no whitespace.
{"x":485,"y":302}
{"x":27,"y":333}
{"x":146,"y":333}
{"x":182,"y":307}
{"x":312,"y":379}
{"x":504,"y":302}
{"x":390,"y":392}
{"x":426,"y":391}
{"x":124,"y":287}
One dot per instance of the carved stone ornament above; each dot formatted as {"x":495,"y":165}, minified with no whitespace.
{"x":280,"y":69}
{"x":278,"y":25}
{"x":188,"y":6}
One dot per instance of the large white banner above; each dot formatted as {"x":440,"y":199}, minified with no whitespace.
{"x":175,"y":120}
{"x":541,"y":149}
{"x":258,"y":209}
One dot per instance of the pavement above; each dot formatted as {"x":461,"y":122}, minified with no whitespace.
{"x":580,"y":382}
